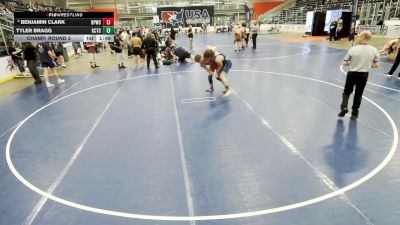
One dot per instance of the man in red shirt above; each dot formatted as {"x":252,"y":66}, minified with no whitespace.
{"x":219,"y":65}
{"x":209,"y":67}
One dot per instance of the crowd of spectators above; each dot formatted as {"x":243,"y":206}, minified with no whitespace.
{"x":297,"y":13}
{"x":9,"y":7}
{"x":5,"y":10}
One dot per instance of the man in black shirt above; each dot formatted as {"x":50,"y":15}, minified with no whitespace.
{"x":254,"y":37}
{"x":47,"y":60}
{"x":58,"y":50}
{"x":150,"y":45}
{"x":190,"y":36}
{"x":182,"y":54}
{"x":204,"y":28}
{"x":332,"y":30}
{"x":16,"y":55}
{"x":117,"y":47}
{"x":172,"y":35}
{"x":30,"y":57}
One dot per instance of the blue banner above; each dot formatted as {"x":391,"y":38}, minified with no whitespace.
{"x":247,"y":13}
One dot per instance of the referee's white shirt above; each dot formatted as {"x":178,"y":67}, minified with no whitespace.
{"x":361,"y":57}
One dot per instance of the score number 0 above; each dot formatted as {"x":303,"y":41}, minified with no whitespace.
{"x":108,"y":21}
{"x":108,"y":26}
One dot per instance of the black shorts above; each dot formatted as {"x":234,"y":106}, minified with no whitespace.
{"x":58,"y":53}
{"x":48,"y":65}
{"x":136,"y":51}
{"x":227,"y":66}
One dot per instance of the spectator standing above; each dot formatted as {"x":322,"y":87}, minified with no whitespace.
{"x":31,"y":58}
{"x":136,"y":44}
{"x":332,"y":30}
{"x":91,"y":48}
{"x":16,"y":55}
{"x":117,"y":46}
{"x":339,"y":29}
{"x":247,"y":35}
{"x":172,"y":35}
{"x":58,"y":50}
{"x":47,"y":61}
{"x":238,"y":39}
{"x":150,"y":45}
{"x":190,"y":36}
{"x":77,"y":49}
{"x":254,"y":37}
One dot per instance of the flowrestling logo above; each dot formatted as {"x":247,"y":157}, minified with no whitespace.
{"x":186,"y":15}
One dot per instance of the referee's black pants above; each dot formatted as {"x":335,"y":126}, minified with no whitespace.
{"x":357,"y":80}
{"x":332,"y":34}
{"x":152,"y":54}
{"x":33,"y":69}
{"x":395,"y":64}
{"x":254,"y":38}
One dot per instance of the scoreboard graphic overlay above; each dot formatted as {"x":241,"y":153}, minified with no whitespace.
{"x":64,"y":27}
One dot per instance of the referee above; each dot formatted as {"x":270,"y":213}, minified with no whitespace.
{"x":361,"y":59}
{"x":151,"y":46}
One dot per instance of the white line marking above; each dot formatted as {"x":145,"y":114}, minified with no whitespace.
{"x":323,"y":177}
{"x":377,"y":93}
{"x":190,"y":99}
{"x":359,"y":120}
{"x":55,"y":98}
{"x":392,"y":89}
{"x":386,"y":96}
{"x":342,"y":69}
{"x":182,"y":153}
{"x":210,"y":217}
{"x":9,"y":130}
{"x":197,"y":100}
{"x":35,"y":211}
{"x":74,"y":85}
{"x":66,"y":169}
{"x":307,"y":50}
{"x":233,"y":46}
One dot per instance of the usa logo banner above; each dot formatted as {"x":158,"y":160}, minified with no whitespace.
{"x":172,"y":17}
{"x":185,"y":16}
